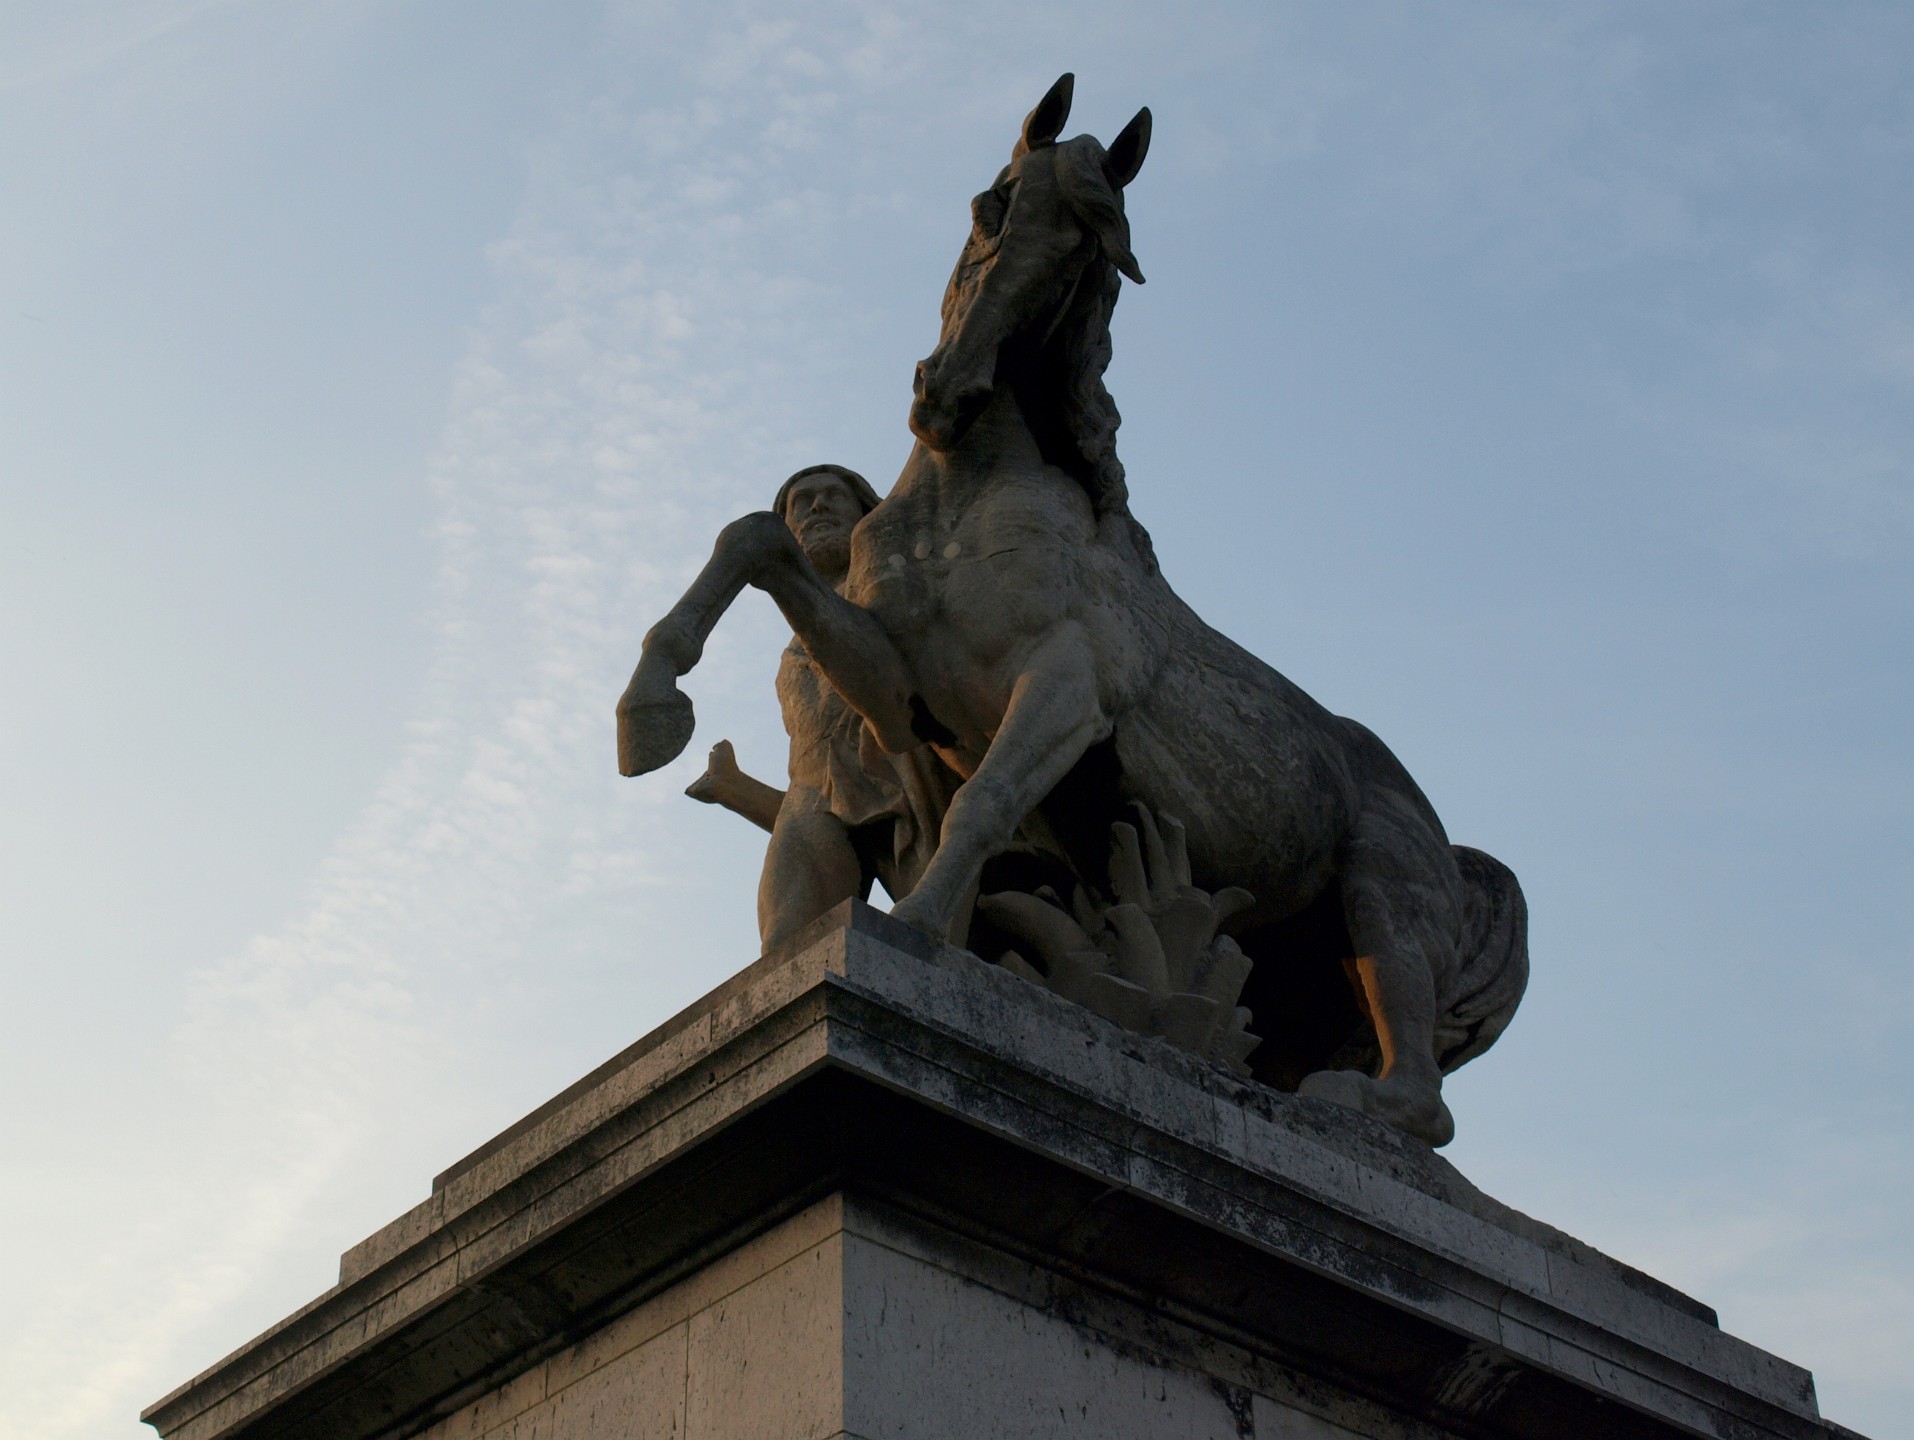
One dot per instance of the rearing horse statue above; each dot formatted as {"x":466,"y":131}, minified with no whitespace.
{"x":1004,"y":607}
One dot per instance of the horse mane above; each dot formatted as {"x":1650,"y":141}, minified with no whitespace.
{"x":1080,"y":352}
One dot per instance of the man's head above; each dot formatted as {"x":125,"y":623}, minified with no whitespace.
{"x":821,"y":504}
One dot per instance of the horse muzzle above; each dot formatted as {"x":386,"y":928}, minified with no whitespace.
{"x":940,"y":413}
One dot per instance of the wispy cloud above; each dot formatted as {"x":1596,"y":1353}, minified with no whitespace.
{"x":58,"y":43}
{"x":627,"y":390}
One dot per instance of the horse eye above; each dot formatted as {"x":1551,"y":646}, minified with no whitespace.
{"x":987,"y":211}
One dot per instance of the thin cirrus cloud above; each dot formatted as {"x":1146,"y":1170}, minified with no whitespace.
{"x":617,"y":401}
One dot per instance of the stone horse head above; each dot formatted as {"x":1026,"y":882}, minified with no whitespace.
{"x":1030,"y":299}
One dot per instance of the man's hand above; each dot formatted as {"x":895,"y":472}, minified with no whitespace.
{"x":723,"y":783}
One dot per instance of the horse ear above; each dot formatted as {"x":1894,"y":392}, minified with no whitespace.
{"x":1043,"y":125}
{"x":1125,"y":155}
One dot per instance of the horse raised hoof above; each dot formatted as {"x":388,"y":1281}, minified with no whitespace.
{"x":1414,"y":1109}
{"x":654,"y":726}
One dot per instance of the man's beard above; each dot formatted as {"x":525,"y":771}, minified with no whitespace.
{"x":828,"y":551}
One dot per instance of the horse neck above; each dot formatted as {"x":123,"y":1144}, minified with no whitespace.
{"x":1053,"y":410}
{"x":998,"y":443}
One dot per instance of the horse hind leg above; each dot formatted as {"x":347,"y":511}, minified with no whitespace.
{"x":1400,"y":906}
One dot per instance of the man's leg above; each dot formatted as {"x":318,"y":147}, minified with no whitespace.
{"x":810,"y":866}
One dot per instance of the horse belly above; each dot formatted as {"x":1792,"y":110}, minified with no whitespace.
{"x":1252,"y":768}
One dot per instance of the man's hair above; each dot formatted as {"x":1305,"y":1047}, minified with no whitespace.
{"x":854,"y":482}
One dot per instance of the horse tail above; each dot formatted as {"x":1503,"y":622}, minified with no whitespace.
{"x":1492,"y":961}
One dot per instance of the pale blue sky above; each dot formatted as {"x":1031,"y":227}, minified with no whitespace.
{"x":1529,"y":382}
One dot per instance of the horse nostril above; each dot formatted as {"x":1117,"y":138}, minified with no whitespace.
{"x":918,"y":381}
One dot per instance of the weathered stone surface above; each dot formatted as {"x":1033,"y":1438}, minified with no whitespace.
{"x":868,"y":1179}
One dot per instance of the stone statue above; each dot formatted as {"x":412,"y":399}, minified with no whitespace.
{"x":851,"y":813}
{"x":1003,"y":607}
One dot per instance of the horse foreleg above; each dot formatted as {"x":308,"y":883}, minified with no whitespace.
{"x":655,"y":718}
{"x":1052,"y":718}
{"x":845,"y":641}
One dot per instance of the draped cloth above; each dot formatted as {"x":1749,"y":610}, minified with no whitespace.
{"x":856,"y":779}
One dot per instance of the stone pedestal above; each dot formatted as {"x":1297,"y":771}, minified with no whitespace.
{"x":871,"y":1189}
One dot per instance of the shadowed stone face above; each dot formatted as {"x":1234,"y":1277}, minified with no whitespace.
{"x":822,"y":512}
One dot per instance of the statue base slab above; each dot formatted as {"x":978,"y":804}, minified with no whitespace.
{"x":873,"y":1188}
